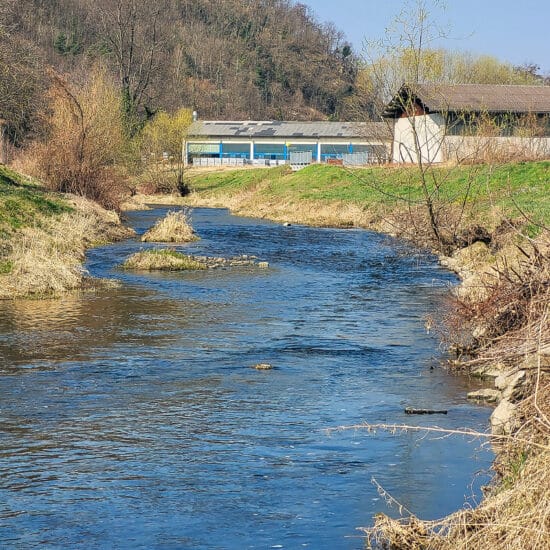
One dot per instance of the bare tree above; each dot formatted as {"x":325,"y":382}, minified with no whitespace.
{"x":22,"y":83}
{"x":132,"y":35}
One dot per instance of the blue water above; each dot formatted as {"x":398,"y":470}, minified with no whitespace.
{"x":131,"y":417}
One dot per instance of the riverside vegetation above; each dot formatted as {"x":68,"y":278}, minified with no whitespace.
{"x":43,"y":237}
{"x":498,"y":323}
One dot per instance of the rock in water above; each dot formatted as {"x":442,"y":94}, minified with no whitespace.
{"x":489,"y":395}
{"x":411,"y":410}
{"x":263,"y":366}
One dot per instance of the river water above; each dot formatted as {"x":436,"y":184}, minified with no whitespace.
{"x":131,"y":418}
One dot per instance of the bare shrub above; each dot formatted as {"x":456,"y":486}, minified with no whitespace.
{"x":509,"y":318}
{"x":175,"y":227}
{"x":85,"y":140}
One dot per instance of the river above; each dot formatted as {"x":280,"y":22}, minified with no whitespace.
{"x":131,"y":417}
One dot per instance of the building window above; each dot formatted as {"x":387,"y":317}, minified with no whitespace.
{"x":270,"y":151}
{"x":235,"y":150}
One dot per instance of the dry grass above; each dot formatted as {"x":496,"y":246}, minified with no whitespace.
{"x":46,"y":259}
{"x":310,"y":212}
{"x":140,"y":201}
{"x":162,"y":260}
{"x":134,"y":202}
{"x":175,"y":227}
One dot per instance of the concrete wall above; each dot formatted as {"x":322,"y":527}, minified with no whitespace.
{"x":435,"y":147}
{"x":476,"y":148}
{"x":428,"y":130}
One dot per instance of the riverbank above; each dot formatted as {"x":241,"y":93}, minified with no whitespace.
{"x":501,"y":330}
{"x":376,"y":197}
{"x":44,"y":236}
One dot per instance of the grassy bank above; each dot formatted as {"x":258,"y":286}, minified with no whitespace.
{"x":501,"y":311}
{"x":491,"y":192}
{"x":43,"y":237}
{"x":22,"y":202}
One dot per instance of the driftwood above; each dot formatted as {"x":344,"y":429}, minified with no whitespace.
{"x":411,"y":410}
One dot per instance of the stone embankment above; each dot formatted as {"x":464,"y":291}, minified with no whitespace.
{"x":480,"y":268}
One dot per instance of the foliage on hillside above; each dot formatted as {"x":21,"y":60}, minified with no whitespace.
{"x":227,"y":59}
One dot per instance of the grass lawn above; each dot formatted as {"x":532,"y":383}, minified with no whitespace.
{"x":511,"y":188}
{"x":22,"y":203}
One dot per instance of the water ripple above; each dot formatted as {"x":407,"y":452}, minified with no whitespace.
{"x":133,"y":419}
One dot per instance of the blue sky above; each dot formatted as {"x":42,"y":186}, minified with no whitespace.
{"x":512,"y":30}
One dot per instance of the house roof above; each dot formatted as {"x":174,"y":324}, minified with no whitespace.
{"x":283,"y":130}
{"x":491,"y":98}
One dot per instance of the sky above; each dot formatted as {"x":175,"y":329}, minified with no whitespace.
{"x":511,"y":30}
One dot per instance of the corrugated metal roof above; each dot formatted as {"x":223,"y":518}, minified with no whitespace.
{"x":491,"y":98}
{"x":284,"y":130}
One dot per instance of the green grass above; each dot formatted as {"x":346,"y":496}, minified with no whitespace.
{"x":513,"y":188}
{"x":6,"y":267}
{"x":22,"y":203}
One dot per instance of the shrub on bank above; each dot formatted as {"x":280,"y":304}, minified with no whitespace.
{"x":86,"y":143}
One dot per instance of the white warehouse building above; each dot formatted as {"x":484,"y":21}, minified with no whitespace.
{"x":268,"y":143}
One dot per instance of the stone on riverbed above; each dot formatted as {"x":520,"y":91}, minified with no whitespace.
{"x":263,"y":366}
{"x":488,"y":395}
{"x":236,"y":261}
{"x":168,"y":259}
{"x":488,"y":372}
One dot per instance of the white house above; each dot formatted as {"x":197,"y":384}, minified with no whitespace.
{"x":438,"y":123}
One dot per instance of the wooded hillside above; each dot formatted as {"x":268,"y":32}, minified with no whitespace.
{"x":228,"y":59}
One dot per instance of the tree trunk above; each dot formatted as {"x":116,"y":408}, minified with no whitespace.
{"x":3,"y":143}
{"x":183,"y":188}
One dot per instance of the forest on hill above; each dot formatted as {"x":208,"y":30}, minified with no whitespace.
{"x":231,"y":59}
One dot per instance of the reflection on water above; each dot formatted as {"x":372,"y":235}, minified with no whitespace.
{"x":131,"y":417}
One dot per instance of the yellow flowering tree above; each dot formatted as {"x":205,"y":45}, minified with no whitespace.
{"x":161,"y":142}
